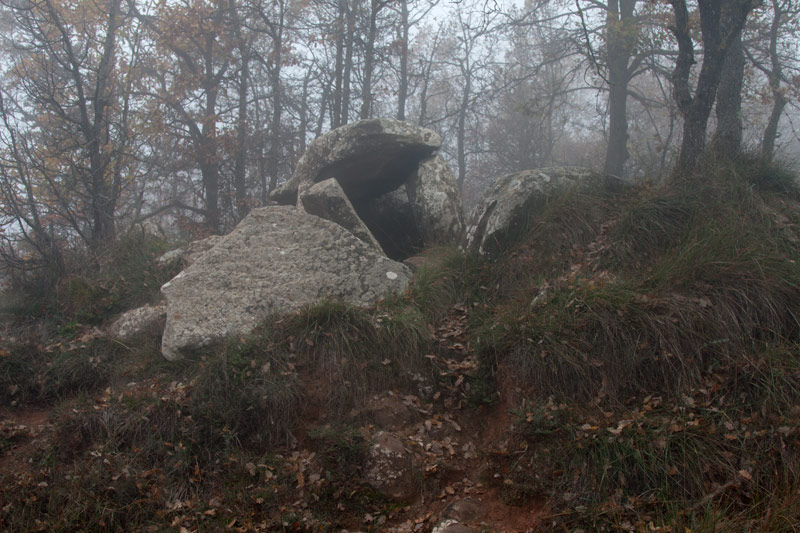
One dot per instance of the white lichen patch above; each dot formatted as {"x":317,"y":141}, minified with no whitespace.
{"x":444,"y":525}
{"x":391,"y":275}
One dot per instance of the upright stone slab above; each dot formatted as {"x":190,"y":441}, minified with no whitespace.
{"x":327,"y":200}
{"x":277,"y":260}
{"x":434,"y":196}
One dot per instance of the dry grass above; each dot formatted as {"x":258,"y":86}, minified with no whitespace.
{"x":668,"y":337}
{"x":648,"y":344}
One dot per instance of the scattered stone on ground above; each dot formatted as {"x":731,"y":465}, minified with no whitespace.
{"x":465,"y":510}
{"x":390,"y":411}
{"x":452,"y":526}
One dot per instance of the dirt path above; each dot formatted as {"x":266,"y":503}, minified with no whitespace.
{"x":23,"y":431}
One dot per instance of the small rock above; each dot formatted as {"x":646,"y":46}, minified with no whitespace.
{"x":147,"y":319}
{"x":452,"y":526}
{"x":466,"y":510}
{"x":390,"y":412}
{"x":189,"y":254}
{"x":391,"y":469}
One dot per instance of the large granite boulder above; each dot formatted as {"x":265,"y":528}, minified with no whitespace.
{"x":367,"y":158}
{"x":327,"y":200}
{"x":406,"y":196}
{"x":276,"y":260}
{"x":511,"y":201}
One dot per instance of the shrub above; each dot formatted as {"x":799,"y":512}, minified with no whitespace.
{"x":92,"y":288}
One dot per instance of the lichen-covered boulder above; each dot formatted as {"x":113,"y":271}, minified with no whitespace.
{"x":514,"y":199}
{"x":147,"y":319}
{"x":368,"y":158}
{"x":434,"y":197}
{"x":276,"y":260}
{"x":327,"y":200}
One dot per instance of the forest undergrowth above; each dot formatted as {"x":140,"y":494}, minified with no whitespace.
{"x":629,"y":362}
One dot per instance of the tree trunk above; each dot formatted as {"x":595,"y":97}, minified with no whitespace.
{"x":620,"y":40}
{"x":775,"y":75}
{"x":720,"y":22}
{"x":402,"y":33}
{"x":277,"y":107}
{"x":369,"y":60}
{"x":426,"y":78}
{"x":728,"y":137}
{"x":240,"y":163}
{"x":461,"y":129}
{"x":771,"y":131}
{"x":209,"y":166}
{"x":304,"y":112}
{"x":349,"y":45}
{"x":336,"y":108}
{"x":326,"y":101}
{"x":97,"y":134}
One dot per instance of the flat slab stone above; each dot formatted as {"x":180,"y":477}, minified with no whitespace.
{"x":368,"y":158}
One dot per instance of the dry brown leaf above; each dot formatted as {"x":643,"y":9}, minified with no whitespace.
{"x":423,"y":518}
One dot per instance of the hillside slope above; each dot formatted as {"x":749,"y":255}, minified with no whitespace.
{"x":630,"y":362}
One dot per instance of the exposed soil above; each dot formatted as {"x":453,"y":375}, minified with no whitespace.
{"x":24,"y":432}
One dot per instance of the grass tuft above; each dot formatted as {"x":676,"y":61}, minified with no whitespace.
{"x":29,"y":375}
